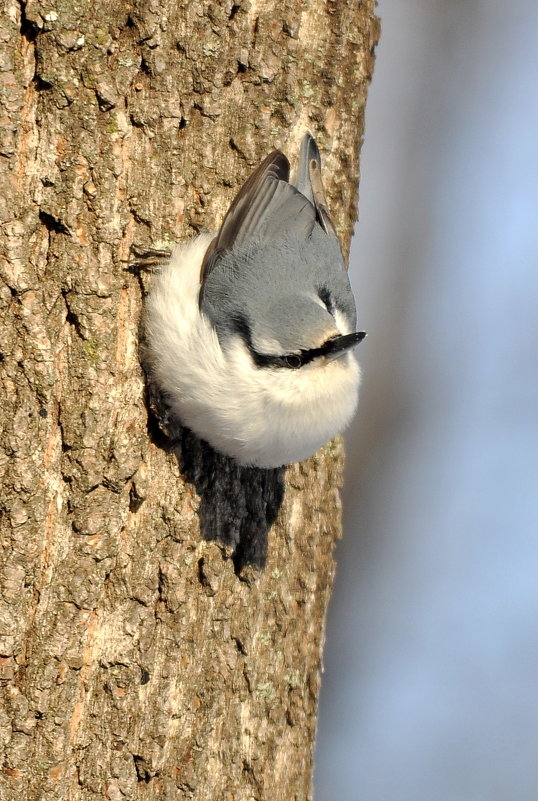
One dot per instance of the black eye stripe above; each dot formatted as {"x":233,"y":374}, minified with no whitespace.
{"x":293,"y":361}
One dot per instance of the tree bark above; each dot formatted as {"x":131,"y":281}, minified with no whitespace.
{"x":142,"y":655}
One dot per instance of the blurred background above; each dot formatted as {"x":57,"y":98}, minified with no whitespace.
{"x":430,"y":691}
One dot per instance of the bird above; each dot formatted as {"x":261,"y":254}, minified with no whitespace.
{"x":249,"y":332}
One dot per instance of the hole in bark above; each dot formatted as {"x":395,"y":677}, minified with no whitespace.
{"x":135,"y":500}
{"x":54,"y":223}
{"x":135,"y":122}
{"x":161,"y":587}
{"x":142,"y":772}
{"x":41,"y":84}
{"x":28,"y":28}
{"x":144,"y":678}
{"x":72,"y":319}
{"x":156,"y":433}
{"x":145,"y":67}
{"x":71,"y":316}
{"x":202,"y":578}
{"x":235,"y":8}
{"x":239,"y":645}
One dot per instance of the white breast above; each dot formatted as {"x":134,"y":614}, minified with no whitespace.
{"x":263,"y":417}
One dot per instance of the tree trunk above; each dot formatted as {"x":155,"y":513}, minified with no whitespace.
{"x":143,"y":655}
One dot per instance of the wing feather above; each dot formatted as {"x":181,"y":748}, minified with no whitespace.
{"x":266,"y":206}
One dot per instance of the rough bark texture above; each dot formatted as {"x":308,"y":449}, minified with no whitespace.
{"x":138,"y":659}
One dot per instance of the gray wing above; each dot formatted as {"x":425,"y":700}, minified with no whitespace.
{"x":309,"y":182}
{"x":266,"y":206}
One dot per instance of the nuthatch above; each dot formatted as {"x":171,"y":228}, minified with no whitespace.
{"x":250,"y":332}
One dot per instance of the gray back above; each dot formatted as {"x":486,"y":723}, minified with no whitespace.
{"x":275,"y":271}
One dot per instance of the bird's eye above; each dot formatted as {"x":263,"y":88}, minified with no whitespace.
{"x":293,"y":361}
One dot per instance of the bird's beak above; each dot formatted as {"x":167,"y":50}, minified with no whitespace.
{"x":337,"y":346}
